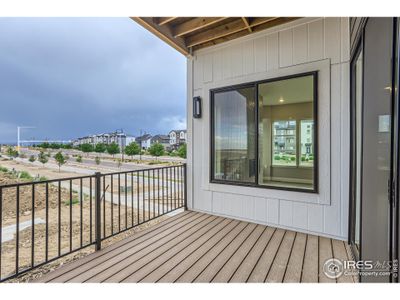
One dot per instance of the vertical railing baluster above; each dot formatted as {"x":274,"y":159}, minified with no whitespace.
{"x":104,"y":206}
{"x":178,"y":198}
{"x":126,"y":201}
{"x":154,"y":195}
{"x":143,"y":198}
{"x":167,"y":186}
{"x":1,"y":227}
{"x":81,"y":211}
{"x":149,"y":194}
{"x":171,"y":184}
{"x":47,"y":221}
{"x":132,"y":214}
{"x":98,"y":210}
{"x":162,"y":186}
{"x":138,"y":196}
{"x":112,"y":204}
{"x":158,"y":192}
{"x":70,"y":215}
{"x":17,"y":234}
{"x":90,"y":211}
{"x":33,"y":227}
{"x":59,"y":218}
{"x":175,"y":203}
{"x":119,"y":202}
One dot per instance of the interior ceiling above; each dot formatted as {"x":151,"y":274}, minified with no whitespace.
{"x":187,"y":34}
{"x":294,"y":90}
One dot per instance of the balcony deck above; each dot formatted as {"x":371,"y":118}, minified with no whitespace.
{"x":198,"y":247}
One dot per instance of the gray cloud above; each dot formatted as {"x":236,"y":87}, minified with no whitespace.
{"x":77,"y":76}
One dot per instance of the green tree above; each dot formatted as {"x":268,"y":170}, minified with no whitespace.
{"x":132,"y":149}
{"x":113,"y":149}
{"x":156,"y":149}
{"x":182,"y":151}
{"x":11,"y":152}
{"x":32,"y":158}
{"x":44,"y":145}
{"x":42,"y":157}
{"x":60,"y":159}
{"x":97,"y":160}
{"x":100,"y":148}
{"x":86,"y":148}
{"x":79,"y":158}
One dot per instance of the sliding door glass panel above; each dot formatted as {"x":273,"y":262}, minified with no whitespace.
{"x":376,"y":149}
{"x":358,"y":146}
{"x":234,"y":135}
{"x":286,"y":132}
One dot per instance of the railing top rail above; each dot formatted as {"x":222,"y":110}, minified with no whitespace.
{"x":45,"y":181}
{"x":141,"y":170}
{"x":86,"y":176}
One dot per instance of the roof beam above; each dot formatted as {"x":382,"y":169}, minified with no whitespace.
{"x":259,"y":21}
{"x":164,"y":33}
{"x":215,"y":33}
{"x":195,"y":24}
{"x":165,"y":20}
{"x":247,"y":24}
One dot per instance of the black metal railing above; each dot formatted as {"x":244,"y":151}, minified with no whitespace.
{"x":43,"y":221}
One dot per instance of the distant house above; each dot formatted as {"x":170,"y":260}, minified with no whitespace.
{"x":144,"y":141}
{"x":177,"y":138}
{"x":118,"y":137}
{"x":161,"y":139}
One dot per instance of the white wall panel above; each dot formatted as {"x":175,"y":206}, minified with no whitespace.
{"x":300,"y":44}
{"x":273,"y":51}
{"x":260,"y":58}
{"x":286,"y":48}
{"x":305,"y":44}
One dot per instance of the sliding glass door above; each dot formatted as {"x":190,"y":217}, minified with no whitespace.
{"x":371,"y":146}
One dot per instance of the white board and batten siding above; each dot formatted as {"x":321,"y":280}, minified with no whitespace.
{"x":307,"y":44}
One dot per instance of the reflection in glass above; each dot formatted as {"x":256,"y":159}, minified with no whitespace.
{"x":286,"y":132}
{"x":234,"y":135}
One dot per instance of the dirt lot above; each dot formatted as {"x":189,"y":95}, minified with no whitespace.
{"x":63,"y":218}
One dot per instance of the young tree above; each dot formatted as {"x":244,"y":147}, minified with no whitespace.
{"x":182,"y":151}
{"x":60,"y":159}
{"x":132,"y":149}
{"x":42,"y":157}
{"x":97,"y":160}
{"x":79,"y":158}
{"x":100,"y":148}
{"x":32,"y":158}
{"x":86,"y":148}
{"x":11,"y":152}
{"x":156,"y":149}
{"x":113,"y":149}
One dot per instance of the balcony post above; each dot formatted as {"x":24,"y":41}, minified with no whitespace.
{"x":185,"y":184}
{"x":98,"y":210}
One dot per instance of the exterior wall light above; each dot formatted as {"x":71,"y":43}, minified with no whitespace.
{"x":197,"y":107}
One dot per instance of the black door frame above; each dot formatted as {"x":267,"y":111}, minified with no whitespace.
{"x":393,"y":187}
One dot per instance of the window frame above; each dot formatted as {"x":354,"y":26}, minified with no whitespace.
{"x":255,"y":84}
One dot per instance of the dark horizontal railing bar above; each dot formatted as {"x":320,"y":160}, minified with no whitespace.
{"x":160,"y":186}
{"x":141,"y":170}
{"x":45,"y":181}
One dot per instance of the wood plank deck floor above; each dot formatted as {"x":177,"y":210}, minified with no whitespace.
{"x":198,"y":247}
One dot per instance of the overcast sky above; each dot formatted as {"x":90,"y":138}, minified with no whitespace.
{"x":71,"y":77}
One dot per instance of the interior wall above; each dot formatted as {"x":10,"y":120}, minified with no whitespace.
{"x":304,"y":45}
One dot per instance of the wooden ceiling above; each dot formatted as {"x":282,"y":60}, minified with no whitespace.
{"x":187,"y":34}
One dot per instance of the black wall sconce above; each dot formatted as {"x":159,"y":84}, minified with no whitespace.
{"x":197,"y":107}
